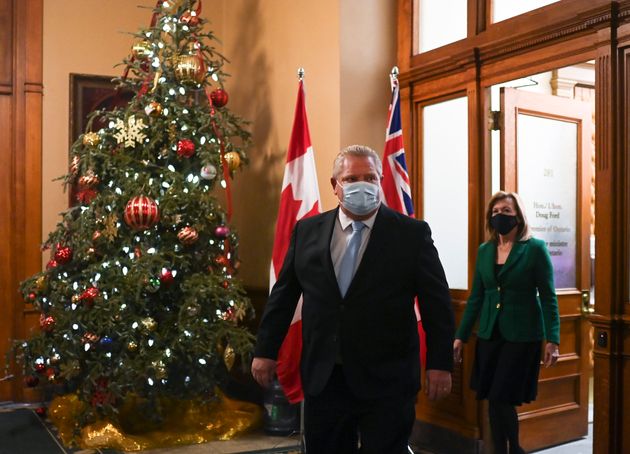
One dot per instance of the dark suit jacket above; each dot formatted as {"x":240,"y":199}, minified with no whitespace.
{"x":522,"y":299}
{"x":374,"y":326}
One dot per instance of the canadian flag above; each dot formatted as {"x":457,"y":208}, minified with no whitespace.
{"x":299,"y":199}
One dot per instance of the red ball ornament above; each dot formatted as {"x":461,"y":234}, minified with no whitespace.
{"x":219,"y":97}
{"x":225,"y":284}
{"x":222,"y":231}
{"x":85,"y":196}
{"x":222,"y":260}
{"x":31,"y":297}
{"x":89,"y":179}
{"x":187,"y":236}
{"x":51,"y":264}
{"x":51,"y":373}
{"x":142,"y":213}
{"x":90,"y":338}
{"x":40,"y":367}
{"x":88,"y":296}
{"x":166,"y":277}
{"x":31,"y":381}
{"x":41,"y":412}
{"x":46,"y":323}
{"x":189,"y":19}
{"x":185,"y":148}
{"x":63,"y":254}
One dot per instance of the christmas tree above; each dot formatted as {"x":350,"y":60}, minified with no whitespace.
{"x":139,"y":297}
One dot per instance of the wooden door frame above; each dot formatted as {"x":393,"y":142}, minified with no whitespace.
{"x":21,"y":173}
{"x":539,"y":427}
{"x":541,"y":40}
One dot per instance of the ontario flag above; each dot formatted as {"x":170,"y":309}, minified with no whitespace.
{"x":395,"y":184}
{"x":299,"y":199}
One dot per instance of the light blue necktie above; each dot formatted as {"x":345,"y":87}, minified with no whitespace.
{"x":349,"y":259}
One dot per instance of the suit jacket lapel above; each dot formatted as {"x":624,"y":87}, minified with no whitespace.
{"x":515,"y":254}
{"x":488,"y":261}
{"x":327,"y":224}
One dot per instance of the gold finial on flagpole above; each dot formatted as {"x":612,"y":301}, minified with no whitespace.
{"x":300,"y":73}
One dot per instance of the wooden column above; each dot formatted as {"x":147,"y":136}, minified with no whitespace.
{"x":20,"y":173}
{"x":611,"y":319}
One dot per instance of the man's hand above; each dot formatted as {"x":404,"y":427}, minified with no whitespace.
{"x":263,"y":370}
{"x":551,"y":354}
{"x":438,"y":384}
{"x":458,"y":347}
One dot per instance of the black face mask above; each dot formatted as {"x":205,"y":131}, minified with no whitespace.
{"x":503,"y":223}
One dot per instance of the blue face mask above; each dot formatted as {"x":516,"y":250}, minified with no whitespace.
{"x":361,"y":197}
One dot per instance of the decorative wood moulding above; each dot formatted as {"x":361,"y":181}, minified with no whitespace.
{"x":544,"y":37}
{"x":444,"y":64}
{"x":602,"y":114}
{"x":6,"y":90}
{"x":514,"y":36}
{"x":33,"y":88}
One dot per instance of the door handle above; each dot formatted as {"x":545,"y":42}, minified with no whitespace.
{"x":586,"y":303}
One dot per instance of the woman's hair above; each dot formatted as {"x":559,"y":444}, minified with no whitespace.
{"x":523,"y":232}
{"x":356,"y":150}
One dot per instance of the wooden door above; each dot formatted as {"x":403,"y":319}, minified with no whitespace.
{"x":21,"y":33}
{"x":546,"y":147}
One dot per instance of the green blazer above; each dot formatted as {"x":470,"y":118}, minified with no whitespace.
{"x":521,"y":299}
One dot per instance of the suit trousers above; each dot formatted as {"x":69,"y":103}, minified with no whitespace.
{"x":338,"y":422}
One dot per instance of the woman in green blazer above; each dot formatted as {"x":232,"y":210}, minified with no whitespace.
{"x":514,"y":299}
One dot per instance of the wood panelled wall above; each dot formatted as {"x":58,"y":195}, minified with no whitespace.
{"x":20,"y":171}
{"x":561,"y":34}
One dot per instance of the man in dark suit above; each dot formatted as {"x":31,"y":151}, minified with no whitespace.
{"x":359,"y":268}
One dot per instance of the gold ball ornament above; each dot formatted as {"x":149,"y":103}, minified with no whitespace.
{"x":40,"y":283}
{"x":142,"y":50}
{"x":149,"y":323}
{"x":233,"y":160}
{"x":153,"y":109}
{"x":91,"y":139}
{"x":229,"y":356}
{"x":132,"y":346}
{"x":160,"y":373}
{"x":160,"y":369}
{"x":189,"y":69}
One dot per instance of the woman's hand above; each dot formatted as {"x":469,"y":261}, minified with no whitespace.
{"x":458,"y":347}
{"x":552,"y":354}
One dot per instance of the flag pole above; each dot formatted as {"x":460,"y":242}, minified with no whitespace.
{"x":300,"y":75}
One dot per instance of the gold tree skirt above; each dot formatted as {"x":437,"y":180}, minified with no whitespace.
{"x":183,"y":422}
